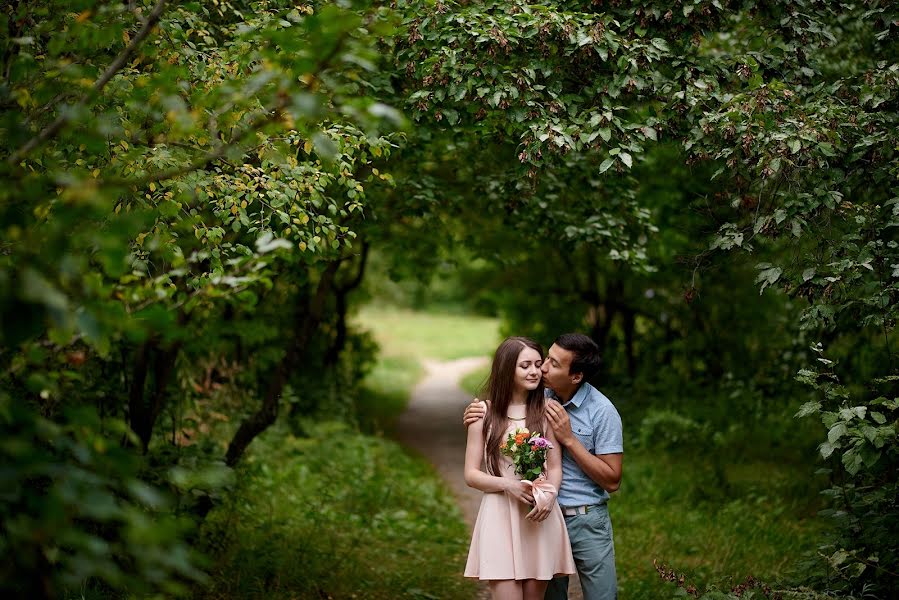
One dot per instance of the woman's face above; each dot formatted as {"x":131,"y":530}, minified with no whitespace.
{"x":527,"y":370}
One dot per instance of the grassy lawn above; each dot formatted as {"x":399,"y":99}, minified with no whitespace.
{"x":422,"y":335}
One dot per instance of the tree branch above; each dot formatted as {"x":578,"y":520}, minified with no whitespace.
{"x":64,"y":116}
{"x":219,"y":150}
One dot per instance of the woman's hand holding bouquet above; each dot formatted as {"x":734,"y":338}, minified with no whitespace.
{"x":528,"y":453}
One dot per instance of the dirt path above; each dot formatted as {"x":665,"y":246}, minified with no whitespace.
{"x":432,"y":425}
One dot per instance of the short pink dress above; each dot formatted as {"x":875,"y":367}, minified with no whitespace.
{"x":505,"y":545}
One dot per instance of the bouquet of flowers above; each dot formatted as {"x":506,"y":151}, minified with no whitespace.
{"x":527,"y":451}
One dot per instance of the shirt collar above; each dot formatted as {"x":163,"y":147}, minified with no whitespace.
{"x":578,"y":397}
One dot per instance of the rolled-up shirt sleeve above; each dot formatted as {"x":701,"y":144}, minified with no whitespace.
{"x":608,"y":437}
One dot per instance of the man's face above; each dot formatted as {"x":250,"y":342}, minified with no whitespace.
{"x":555,"y":369}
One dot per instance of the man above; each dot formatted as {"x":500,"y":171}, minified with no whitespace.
{"x":588,"y":428}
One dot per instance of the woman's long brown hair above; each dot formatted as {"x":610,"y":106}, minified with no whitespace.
{"x":499,"y":389}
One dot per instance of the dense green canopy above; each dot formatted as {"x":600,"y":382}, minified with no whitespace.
{"x":187,"y":185}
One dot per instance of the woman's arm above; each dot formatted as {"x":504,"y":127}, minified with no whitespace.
{"x":474,"y":453}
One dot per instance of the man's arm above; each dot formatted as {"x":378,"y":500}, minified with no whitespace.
{"x":604,"y":469}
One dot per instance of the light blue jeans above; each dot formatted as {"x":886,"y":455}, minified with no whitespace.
{"x":594,"y":557}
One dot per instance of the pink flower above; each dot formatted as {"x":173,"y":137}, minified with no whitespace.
{"x":540,"y":442}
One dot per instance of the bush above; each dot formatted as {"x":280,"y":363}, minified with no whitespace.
{"x":75,"y":516}
{"x":668,"y":430}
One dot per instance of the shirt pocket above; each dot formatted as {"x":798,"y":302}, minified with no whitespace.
{"x":584,"y":435}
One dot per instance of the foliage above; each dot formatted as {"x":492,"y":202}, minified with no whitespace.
{"x":861,"y":447}
{"x":74,"y":511}
{"x":175,"y":175}
{"x":191,"y":191}
{"x":667,"y":430}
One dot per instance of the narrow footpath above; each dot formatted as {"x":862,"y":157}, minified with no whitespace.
{"x":432,"y":425}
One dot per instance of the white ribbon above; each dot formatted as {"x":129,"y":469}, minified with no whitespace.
{"x":544,"y":492}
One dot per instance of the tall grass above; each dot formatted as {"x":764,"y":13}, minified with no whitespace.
{"x":670,"y":509}
{"x":336,"y":515}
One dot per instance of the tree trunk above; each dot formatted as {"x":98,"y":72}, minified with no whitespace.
{"x":305,"y":324}
{"x":143,"y":414}
{"x":136,"y":409}
{"x":341,"y":293}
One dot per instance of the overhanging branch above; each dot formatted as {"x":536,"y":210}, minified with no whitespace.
{"x":53,"y":128}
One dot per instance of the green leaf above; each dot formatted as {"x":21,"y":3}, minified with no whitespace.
{"x":268,"y":243}
{"x":853,"y":461}
{"x":660,"y":44}
{"x":38,"y":289}
{"x":836,"y":432}
{"x":324,"y":146}
{"x":768,"y":276}
{"x":606,"y":164}
{"x":169,"y":208}
{"x":809,"y":408}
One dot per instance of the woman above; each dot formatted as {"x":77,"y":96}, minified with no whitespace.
{"x":518,"y":544}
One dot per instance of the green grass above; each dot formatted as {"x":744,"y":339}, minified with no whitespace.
{"x":385,"y":392}
{"x":473,"y":382}
{"x":669,"y":509}
{"x":422,"y":335}
{"x":336,"y":515}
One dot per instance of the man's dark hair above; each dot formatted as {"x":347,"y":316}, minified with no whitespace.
{"x":586,"y":353}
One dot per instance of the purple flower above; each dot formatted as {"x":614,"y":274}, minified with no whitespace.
{"x":540,"y":442}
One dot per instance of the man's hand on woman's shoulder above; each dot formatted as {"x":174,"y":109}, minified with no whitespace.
{"x":474,"y":412}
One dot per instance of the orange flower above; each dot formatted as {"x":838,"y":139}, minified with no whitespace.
{"x":520,"y":438}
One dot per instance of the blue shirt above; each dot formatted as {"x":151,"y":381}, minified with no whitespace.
{"x":597,"y":425}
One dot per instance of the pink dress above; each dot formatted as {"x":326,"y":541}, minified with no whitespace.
{"x":505,"y":545}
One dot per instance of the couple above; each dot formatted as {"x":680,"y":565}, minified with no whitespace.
{"x":523,"y":545}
